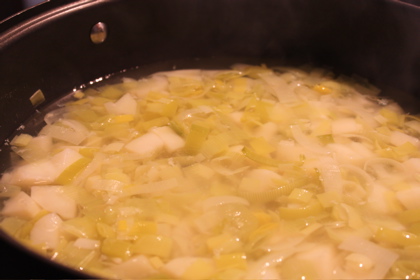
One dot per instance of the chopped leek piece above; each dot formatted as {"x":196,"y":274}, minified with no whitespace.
{"x":155,"y":245}
{"x":115,"y":248}
{"x":195,"y":139}
{"x":233,"y":260}
{"x":299,"y":195}
{"x":70,"y":172}
{"x":260,"y":158}
{"x":21,"y":140}
{"x":37,"y":98}
{"x":396,"y":237}
{"x":314,"y":208}
{"x":410,"y":216}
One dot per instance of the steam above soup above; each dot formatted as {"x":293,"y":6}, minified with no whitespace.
{"x":246,"y":173}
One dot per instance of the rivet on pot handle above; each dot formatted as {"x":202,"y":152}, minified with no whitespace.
{"x":98,"y":33}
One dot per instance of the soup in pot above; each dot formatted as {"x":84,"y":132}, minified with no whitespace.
{"x":244,"y":173}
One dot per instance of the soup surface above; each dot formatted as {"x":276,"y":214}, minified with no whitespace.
{"x":245,"y":173}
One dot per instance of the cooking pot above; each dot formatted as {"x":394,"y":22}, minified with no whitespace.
{"x":59,"y":46}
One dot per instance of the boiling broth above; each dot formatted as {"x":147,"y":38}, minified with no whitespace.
{"x":244,"y":173}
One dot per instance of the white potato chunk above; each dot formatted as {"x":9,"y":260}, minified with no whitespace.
{"x":36,"y":149}
{"x":134,"y":268}
{"x":146,"y":145}
{"x":266,"y":177}
{"x":87,"y":243}
{"x":345,"y":125}
{"x":70,"y":131}
{"x":178,"y":267}
{"x":97,"y":183}
{"x":327,"y":254}
{"x":262,"y":273}
{"x":114,"y":147}
{"x":65,"y":158}
{"x":21,"y":205}
{"x":157,"y":83}
{"x":280,"y":88}
{"x":126,"y":105}
{"x":399,"y":138}
{"x":267,"y":130}
{"x":377,"y":200}
{"x":40,"y":145}
{"x":171,"y":140}
{"x":412,"y":165}
{"x":289,"y":150}
{"x":352,"y":153}
{"x":43,"y":172}
{"x":410,"y":198}
{"x":46,"y":231}
{"x":40,"y":172}
{"x":53,"y":199}
{"x":383,"y":258}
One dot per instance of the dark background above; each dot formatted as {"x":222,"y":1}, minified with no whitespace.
{"x":10,"y":7}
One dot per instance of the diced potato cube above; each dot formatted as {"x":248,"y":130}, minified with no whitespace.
{"x":21,"y":205}
{"x":86,"y":243}
{"x":125,"y":105}
{"x":46,"y":231}
{"x":44,"y":172}
{"x":398,"y":138}
{"x":146,"y":145}
{"x":190,"y":268}
{"x":346,"y":125}
{"x":171,"y":140}
{"x":53,"y":199}
{"x":409,"y":197}
{"x":40,"y":172}
{"x":65,"y":158}
{"x":135,"y":268}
